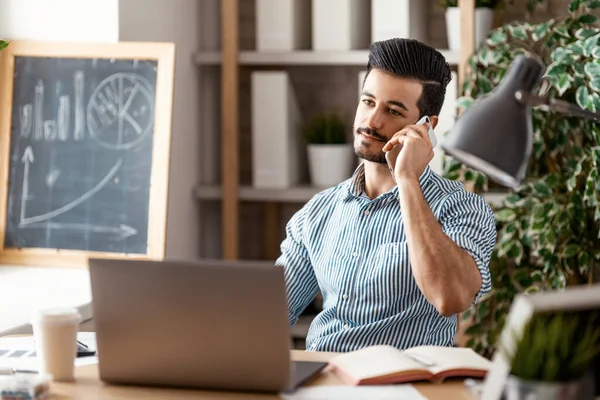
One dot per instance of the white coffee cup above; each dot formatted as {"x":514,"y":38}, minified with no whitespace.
{"x":55,"y":336}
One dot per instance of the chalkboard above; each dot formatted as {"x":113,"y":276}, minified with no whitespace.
{"x":83,"y":148}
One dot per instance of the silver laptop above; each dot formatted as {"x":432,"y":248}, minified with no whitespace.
{"x":210,"y":324}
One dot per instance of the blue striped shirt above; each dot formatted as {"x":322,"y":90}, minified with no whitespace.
{"x":354,"y":250}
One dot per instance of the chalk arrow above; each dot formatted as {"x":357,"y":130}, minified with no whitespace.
{"x":27,"y":160}
{"x":28,"y":155}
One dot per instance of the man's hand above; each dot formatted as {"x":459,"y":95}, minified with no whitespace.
{"x":416,"y":153}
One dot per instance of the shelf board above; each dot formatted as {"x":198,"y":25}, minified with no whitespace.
{"x":299,"y":194}
{"x":303,"y":57}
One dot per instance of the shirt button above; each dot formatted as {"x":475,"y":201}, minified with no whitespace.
{"x":345,"y":296}
{"x":346,"y":326}
{"x":314,"y":346}
{"x":355,"y":254}
{"x":366,"y":212}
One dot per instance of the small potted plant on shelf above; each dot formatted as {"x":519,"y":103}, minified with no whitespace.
{"x":484,"y":19}
{"x":330,"y":156}
{"x":553,"y":357}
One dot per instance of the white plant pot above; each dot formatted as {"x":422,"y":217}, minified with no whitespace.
{"x":330,"y":164}
{"x":484,"y":20}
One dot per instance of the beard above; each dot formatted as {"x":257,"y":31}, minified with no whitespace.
{"x":367,"y":150}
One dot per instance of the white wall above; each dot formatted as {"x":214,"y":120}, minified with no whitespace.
{"x":60,"y":20}
{"x":175,"y":21}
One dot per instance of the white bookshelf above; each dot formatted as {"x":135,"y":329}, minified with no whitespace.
{"x":298,"y":194}
{"x":303,"y":57}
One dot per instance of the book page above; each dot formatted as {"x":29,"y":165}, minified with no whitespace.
{"x":375,"y":361}
{"x":451,"y":358}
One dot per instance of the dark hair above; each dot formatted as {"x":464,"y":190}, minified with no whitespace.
{"x":409,"y":58}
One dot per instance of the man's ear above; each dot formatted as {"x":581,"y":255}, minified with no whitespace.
{"x":434,"y":121}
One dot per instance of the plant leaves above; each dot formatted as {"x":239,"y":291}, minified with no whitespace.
{"x":593,"y":4}
{"x":496,"y":37}
{"x":540,"y":31}
{"x":584,"y":33}
{"x":517,"y":31}
{"x":505,"y":214}
{"x":570,"y":250}
{"x":562,"y":83}
{"x":592,"y":69}
{"x":583,"y":97}
{"x":562,"y":31}
{"x":587,"y":19}
{"x":542,"y":189}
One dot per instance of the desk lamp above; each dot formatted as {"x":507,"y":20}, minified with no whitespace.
{"x":495,"y":135}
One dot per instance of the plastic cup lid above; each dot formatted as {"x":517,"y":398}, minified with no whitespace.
{"x":57,"y":315}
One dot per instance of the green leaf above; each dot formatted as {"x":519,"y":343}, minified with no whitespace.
{"x":542,"y":189}
{"x":464,"y":102}
{"x":540,"y":31}
{"x":496,"y":38}
{"x":561,"y":56}
{"x":3,"y":44}
{"x":562,"y":84}
{"x":516,"y":252}
{"x":583,"y":97}
{"x":595,"y":84}
{"x":596,"y":52}
{"x":512,"y":198}
{"x":590,"y":44}
{"x":539,"y":211}
{"x":576,"y":48}
{"x":511,"y":227}
{"x":584,"y":33}
{"x":596,"y":101}
{"x":562,"y":31}
{"x":574,"y":5}
{"x":593,"y":4}
{"x":571,"y":250}
{"x":485,"y":86}
{"x":587,"y":19}
{"x":517,"y":31}
{"x":579,"y":70}
{"x":592,"y":69}
{"x":506,"y":214}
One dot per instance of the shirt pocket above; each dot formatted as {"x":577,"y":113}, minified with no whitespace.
{"x":389,"y":275}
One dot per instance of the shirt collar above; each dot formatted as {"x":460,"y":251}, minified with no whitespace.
{"x":356,"y":184}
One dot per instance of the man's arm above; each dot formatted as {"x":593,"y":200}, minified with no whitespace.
{"x":449,"y":261}
{"x":300,"y":280}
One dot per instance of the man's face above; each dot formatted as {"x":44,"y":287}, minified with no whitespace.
{"x":387,"y":104}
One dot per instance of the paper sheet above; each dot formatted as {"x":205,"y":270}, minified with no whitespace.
{"x":17,"y":352}
{"x":375,"y":392}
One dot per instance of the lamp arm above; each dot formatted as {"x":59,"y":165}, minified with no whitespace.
{"x":561,"y":106}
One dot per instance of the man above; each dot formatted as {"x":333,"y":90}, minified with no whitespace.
{"x":395,"y":257}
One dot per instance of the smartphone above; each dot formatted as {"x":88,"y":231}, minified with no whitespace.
{"x":392,"y":155}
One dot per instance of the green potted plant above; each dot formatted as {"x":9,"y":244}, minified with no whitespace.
{"x":484,"y":19}
{"x":3,"y":44}
{"x":548,"y":228}
{"x":552,"y":358}
{"x":330,"y":156}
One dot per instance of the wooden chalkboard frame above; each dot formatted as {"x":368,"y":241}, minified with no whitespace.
{"x":164,"y":54}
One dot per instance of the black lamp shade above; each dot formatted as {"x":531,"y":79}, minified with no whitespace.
{"x":495,"y":134}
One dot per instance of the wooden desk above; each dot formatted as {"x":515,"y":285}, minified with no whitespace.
{"x":89,"y":387}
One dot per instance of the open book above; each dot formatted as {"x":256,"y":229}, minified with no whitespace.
{"x":382,"y":364}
